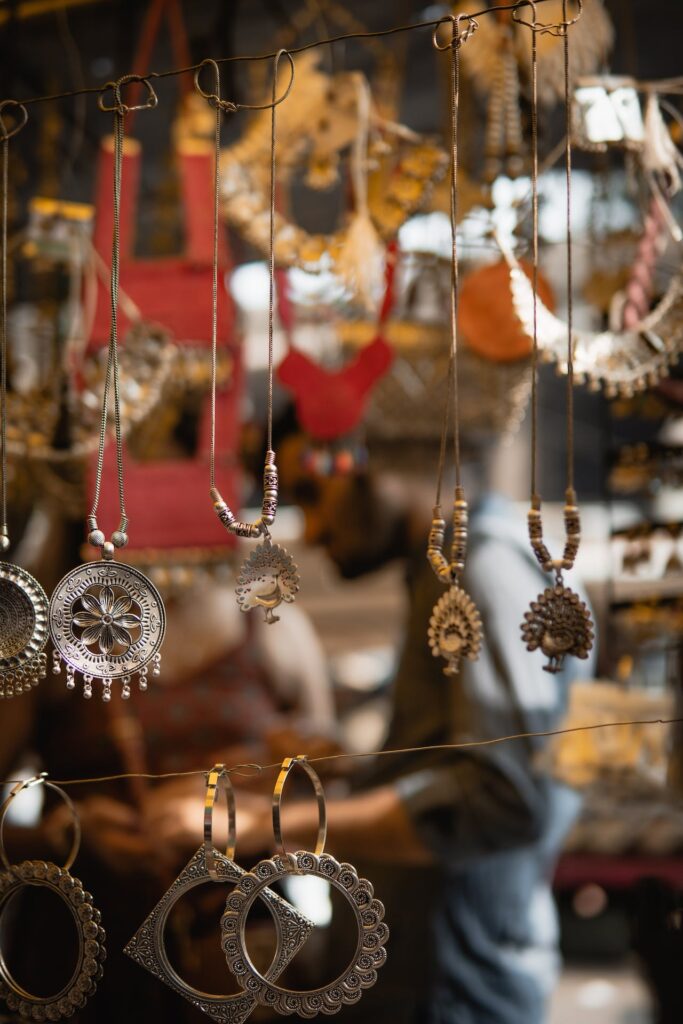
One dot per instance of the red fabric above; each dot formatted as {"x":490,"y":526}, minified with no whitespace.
{"x":330,"y":403}
{"x":168,"y":502}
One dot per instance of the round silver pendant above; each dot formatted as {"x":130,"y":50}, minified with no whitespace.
{"x":90,"y":937}
{"x":267,"y":578}
{"x":455,"y":629}
{"x":560,"y":624}
{"x":23,"y":630}
{"x":369,"y":955}
{"x":107,"y":621}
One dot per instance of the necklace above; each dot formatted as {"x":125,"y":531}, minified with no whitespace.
{"x":269,"y":576}
{"x":455,"y":630}
{"x":23,"y":602}
{"x":558,"y":621}
{"x":107,"y":620}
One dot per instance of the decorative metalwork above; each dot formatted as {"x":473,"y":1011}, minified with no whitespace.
{"x":455,"y":629}
{"x":148,"y":948}
{"x":23,"y":630}
{"x":369,"y":955}
{"x":558,"y":622}
{"x":267,"y":578}
{"x":91,"y":937}
{"x":107,"y":621}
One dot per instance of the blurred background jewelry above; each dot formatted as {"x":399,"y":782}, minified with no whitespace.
{"x":369,"y":954}
{"x":107,"y":620}
{"x":558,"y":621}
{"x":23,"y":602}
{"x":269,"y":576}
{"x":91,"y":936}
{"x":455,"y":629}
{"x":148,"y":945}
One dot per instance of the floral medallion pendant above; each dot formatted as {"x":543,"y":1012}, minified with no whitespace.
{"x":107,"y":621}
{"x":559,"y":623}
{"x":23,"y":630}
{"x":455,"y":629}
{"x":268,"y":578}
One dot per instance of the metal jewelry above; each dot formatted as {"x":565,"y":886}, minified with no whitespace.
{"x":148,"y":946}
{"x":90,"y":934}
{"x":558,"y":622}
{"x":23,"y":602}
{"x":455,"y":630}
{"x":369,"y":954}
{"x":269,"y":576}
{"x":107,"y":619}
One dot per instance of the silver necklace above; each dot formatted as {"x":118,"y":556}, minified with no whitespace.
{"x":269,"y":576}
{"x":107,"y":620}
{"x":23,"y":602}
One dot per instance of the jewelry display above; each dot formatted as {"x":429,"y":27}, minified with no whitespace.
{"x":369,"y":954}
{"x":406,"y":167}
{"x":148,"y":946}
{"x":558,"y":622}
{"x":90,"y":933}
{"x":455,"y":630}
{"x":23,"y":602}
{"x":107,"y":619}
{"x":269,"y":576}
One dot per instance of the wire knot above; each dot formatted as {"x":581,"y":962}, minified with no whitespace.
{"x":558,"y":29}
{"x":458,"y":35}
{"x":5,"y":132}
{"x":118,"y":106}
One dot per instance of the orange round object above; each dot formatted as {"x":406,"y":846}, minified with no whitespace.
{"x":487,"y":319}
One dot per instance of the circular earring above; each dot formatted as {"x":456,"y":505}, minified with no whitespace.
{"x":148,"y":946}
{"x":369,"y":954}
{"x":90,"y":934}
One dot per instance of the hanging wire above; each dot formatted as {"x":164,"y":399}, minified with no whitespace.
{"x":378,"y":34}
{"x":251,"y":769}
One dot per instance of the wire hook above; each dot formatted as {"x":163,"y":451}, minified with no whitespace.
{"x":458,"y":37}
{"x":7,"y":133}
{"x":119,"y":106}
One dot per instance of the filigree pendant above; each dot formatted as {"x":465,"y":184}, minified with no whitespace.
{"x":560,"y":624}
{"x":107,"y":621}
{"x":267,"y":578}
{"x":455,"y":629}
{"x":23,"y":630}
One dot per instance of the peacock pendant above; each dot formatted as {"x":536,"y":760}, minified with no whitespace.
{"x":455,"y":629}
{"x":267,"y":578}
{"x":560,"y":623}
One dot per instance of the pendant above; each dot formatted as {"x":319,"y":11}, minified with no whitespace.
{"x":560,"y":624}
{"x":107,"y":621}
{"x":267,"y":578}
{"x":455,"y":629}
{"x":23,"y":631}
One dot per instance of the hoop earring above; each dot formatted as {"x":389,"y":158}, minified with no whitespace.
{"x":91,"y":936}
{"x":148,"y":946}
{"x":373,"y":933}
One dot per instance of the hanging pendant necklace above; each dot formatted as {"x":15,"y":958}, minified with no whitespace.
{"x":23,"y":602}
{"x":558,"y":621}
{"x":455,"y":630}
{"x":269,"y":576}
{"x":107,"y":620}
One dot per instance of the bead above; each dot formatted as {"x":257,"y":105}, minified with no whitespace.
{"x":142,"y":685}
{"x":125,"y":693}
{"x":108,"y":550}
{"x":4,"y":542}
{"x":71,"y":683}
{"x":87,"y":692}
{"x":96,"y":538}
{"x":119,"y":539}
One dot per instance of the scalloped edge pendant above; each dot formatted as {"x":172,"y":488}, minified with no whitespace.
{"x":266,"y":579}
{"x":22,"y":668}
{"x":560,"y":624}
{"x":91,"y":593}
{"x":455,"y":629}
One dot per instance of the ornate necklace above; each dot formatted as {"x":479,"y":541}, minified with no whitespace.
{"x":455,"y":630}
{"x":558,"y":621}
{"x":107,"y":620}
{"x":23,"y":602}
{"x":269,"y":576}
